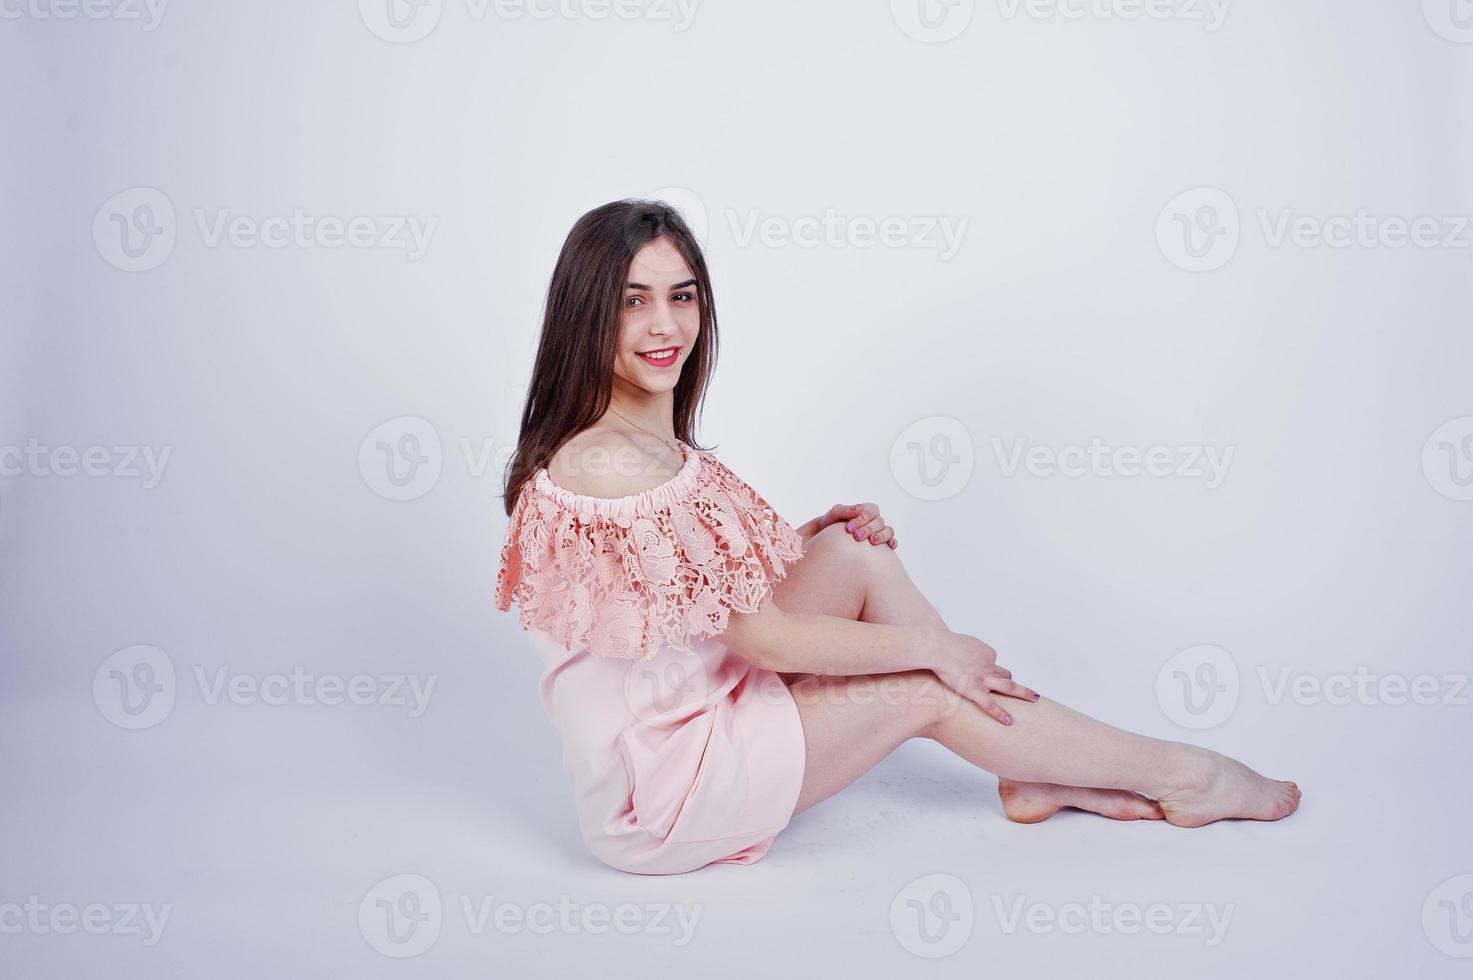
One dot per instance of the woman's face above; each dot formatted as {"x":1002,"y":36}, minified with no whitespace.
{"x":661,"y":317}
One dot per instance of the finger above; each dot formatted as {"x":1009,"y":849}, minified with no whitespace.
{"x":988,"y":704}
{"x":894,"y":544}
{"x":842,"y":512}
{"x":1013,"y":689}
{"x":1002,"y":671}
{"x":881,"y":536}
{"x":865,"y":513}
{"x":870,"y":527}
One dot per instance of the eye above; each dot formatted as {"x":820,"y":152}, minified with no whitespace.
{"x":632,"y":300}
{"x":687,"y":296}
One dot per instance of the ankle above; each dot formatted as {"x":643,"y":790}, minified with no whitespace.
{"x":1187,"y":768}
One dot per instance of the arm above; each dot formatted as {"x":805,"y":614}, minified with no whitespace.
{"x":818,"y":644}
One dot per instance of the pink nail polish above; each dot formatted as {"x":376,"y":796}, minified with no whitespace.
{"x":1010,"y":719}
{"x":858,"y":535}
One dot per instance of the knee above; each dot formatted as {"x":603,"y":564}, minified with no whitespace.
{"x":841,"y":546}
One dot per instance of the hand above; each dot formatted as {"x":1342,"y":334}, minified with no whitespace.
{"x":861,"y":520}
{"x":968,"y":666}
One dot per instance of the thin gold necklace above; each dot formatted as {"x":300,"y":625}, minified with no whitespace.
{"x":642,"y":428}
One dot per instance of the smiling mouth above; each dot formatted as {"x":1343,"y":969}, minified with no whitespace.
{"x":663,"y":357}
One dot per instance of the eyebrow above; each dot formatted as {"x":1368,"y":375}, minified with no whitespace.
{"x":678,"y":285}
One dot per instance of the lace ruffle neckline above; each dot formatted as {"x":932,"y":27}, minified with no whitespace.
{"x":625,"y":576}
{"x":655,"y":498}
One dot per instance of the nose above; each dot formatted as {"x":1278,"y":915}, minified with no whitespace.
{"x":662,"y":323}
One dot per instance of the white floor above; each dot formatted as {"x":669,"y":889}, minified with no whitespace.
{"x":265,"y":829}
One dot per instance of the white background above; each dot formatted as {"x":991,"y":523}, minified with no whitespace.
{"x":1072,"y":142}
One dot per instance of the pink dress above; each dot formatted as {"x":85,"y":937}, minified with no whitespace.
{"x":682,"y":753}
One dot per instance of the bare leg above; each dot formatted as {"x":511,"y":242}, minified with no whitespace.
{"x":1050,"y":757}
{"x":842,"y":577}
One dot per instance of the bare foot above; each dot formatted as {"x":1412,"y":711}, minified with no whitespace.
{"x":1033,"y":802}
{"x":1213,"y":787}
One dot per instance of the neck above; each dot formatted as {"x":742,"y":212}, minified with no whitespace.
{"x":655,"y":412}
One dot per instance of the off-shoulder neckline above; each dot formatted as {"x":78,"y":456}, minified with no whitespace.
{"x":654,"y":498}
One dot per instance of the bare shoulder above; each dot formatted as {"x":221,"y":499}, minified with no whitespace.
{"x":607,"y":462}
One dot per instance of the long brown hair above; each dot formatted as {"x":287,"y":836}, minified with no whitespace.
{"x":573,"y":374}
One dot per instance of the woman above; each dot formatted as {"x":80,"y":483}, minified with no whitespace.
{"x":713,"y":671}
